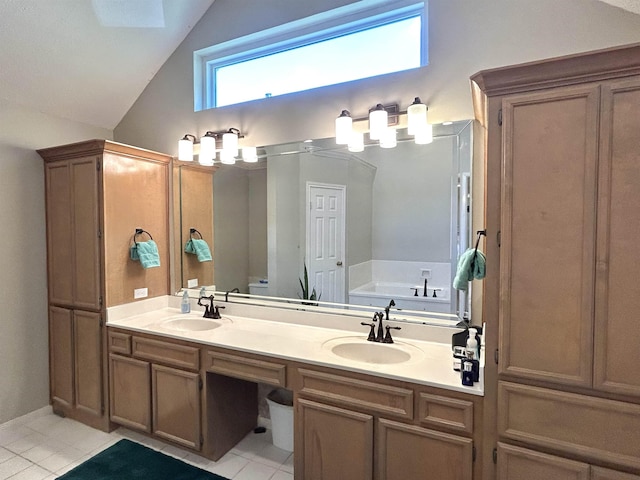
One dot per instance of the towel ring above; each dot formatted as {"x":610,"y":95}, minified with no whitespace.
{"x":192,"y":231}
{"x":140,"y":231}
{"x":480,"y":233}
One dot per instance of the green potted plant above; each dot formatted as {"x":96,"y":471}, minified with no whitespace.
{"x":304,"y":285}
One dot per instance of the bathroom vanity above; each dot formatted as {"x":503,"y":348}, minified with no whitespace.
{"x":362,"y":410}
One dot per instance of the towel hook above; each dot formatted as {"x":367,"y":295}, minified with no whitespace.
{"x":140,"y":231}
{"x":192,"y":231}
{"x":480,"y":233}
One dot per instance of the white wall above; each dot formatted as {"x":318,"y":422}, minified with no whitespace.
{"x":24,"y":383}
{"x":465,"y":36}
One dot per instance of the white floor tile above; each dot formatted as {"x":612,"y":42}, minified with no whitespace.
{"x":43,"y":424}
{"x":13,"y":433}
{"x":287,"y":466}
{"x":61,"y":459}
{"x":272,"y":456}
{"x":5,"y":454}
{"x":255,"y":471}
{"x":27,"y":442}
{"x":12,"y":466}
{"x":174,"y":452}
{"x":228,"y":466}
{"x":250,"y":445}
{"x":44,"y":450}
{"x":32,"y":473}
{"x":280,"y":475}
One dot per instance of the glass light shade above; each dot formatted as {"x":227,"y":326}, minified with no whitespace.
{"x":416,"y":117}
{"x":207,"y":150}
{"x":378,"y":121}
{"x":389,"y":139}
{"x":185,"y":150}
{"x":227,"y":158}
{"x":230,"y":143}
{"x":424,"y":135}
{"x":343,"y":128}
{"x":356,"y":142}
{"x":250,"y":154}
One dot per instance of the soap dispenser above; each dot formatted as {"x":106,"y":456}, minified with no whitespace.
{"x":185,"y":306}
{"x":470,"y":368}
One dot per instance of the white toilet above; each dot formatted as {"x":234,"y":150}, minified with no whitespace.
{"x":258,"y":288}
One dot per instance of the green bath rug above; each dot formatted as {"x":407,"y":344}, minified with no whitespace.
{"x":127,"y":460}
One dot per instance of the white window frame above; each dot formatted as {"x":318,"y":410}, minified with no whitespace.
{"x":358,"y":16}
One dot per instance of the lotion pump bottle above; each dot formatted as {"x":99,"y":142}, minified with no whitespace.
{"x":185,"y":306}
{"x":472,"y":355}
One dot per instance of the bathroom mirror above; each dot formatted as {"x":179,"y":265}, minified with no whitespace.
{"x":369,"y":226}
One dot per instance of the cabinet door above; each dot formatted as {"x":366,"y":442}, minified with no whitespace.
{"x":618,"y":255}
{"x":515,"y":463}
{"x":407,"y":452}
{"x":87,"y":338}
{"x":548,"y":235}
{"x":61,"y":356}
{"x":332,"y":442}
{"x":130,"y":392}
{"x":73,"y":248}
{"x":176,"y":405}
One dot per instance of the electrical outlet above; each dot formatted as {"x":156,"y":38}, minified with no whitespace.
{"x":141,"y":293}
{"x":425,"y":273}
{"x":192,"y":283}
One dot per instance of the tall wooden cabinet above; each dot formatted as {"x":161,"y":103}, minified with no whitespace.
{"x":562,"y":141}
{"x":97,"y":193}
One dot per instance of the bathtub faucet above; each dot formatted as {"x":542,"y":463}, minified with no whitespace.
{"x":388,"y":307}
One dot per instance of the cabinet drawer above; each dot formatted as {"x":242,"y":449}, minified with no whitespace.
{"x":119,"y":343}
{"x":167,"y":353}
{"x":247,"y":368}
{"x":385,"y":399}
{"x":595,"y":428}
{"x":451,"y":413}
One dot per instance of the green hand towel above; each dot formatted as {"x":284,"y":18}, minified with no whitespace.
{"x":200,"y":248}
{"x":146,"y":253}
{"x":467,"y":269}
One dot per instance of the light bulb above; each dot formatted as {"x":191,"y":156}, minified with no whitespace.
{"x":416,"y":116}
{"x":424,"y":135}
{"x":250,"y":154}
{"x":356,"y":142}
{"x":344,"y":125}
{"x":185,"y":149}
{"x":207,"y":150}
{"x":227,"y":158}
{"x":388,"y":139}
{"x":230,"y":143}
{"x":378,"y":122}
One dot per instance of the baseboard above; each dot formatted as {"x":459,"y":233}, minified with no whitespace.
{"x":47,"y":410}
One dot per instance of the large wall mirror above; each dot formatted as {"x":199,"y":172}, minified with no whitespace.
{"x":369,"y":227}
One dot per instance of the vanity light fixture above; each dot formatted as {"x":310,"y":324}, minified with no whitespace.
{"x":225,"y":142}
{"x":383,"y":122}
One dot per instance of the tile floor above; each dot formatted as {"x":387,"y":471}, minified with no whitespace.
{"x":43,"y":446}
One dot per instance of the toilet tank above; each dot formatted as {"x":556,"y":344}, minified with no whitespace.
{"x":258,"y":288}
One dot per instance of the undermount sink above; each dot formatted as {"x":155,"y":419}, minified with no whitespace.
{"x":360,"y":350}
{"x":190,"y":324}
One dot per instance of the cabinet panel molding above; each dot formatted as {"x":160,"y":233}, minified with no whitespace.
{"x":618,"y":255}
{"x":61,"y":357}
{"x":594,"y":428}
{"x":130,"y":392}
{"x":176,"y":405}
{"x":548,"y":225}
{"x":409,"y":452}
{"x":332,"y":442}
{"x":251,"y":369}
{"x":166,"y":353}
{"x":88,"y":369}
{"x":446,"y":412}
{"x":598,"y":473}
{"x":515,"y":463}
{"x":119,"y":343}
{"x":385,"y":399}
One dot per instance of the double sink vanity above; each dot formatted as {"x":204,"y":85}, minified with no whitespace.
{"x":361,"y":409}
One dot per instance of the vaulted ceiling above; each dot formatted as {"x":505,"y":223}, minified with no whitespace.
{"x":88,"y":60}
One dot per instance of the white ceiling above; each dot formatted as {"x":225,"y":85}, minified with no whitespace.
{"x":89,"y":60}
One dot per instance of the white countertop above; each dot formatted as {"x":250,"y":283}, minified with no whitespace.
{"x":254,"y":330}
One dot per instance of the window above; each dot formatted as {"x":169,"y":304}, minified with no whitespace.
{"x":341,"y":45}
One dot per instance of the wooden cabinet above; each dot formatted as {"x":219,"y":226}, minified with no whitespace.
{"x":76,"y":373}
{"x":348,"y":427}
{"x":97,"y":193}
{"x":563,"y":169}
{"x":148,"y":393}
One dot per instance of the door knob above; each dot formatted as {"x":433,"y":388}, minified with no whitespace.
{"x":339,"y":263}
